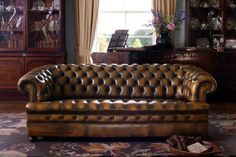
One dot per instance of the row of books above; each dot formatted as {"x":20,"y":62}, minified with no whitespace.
{"x":12,"y":44}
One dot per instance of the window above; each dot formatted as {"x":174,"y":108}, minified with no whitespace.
{"x":124,"y":14}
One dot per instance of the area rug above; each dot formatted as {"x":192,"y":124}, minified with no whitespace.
{"x":225,"y":122}
{"x":14,"y":143}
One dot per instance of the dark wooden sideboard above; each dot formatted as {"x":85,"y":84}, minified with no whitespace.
{"x":222,"y":65}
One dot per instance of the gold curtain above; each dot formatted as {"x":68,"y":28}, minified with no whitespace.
{"x":167,"y":7}
{"x":86,"y":13}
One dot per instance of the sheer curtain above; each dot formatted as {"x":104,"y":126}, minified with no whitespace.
{"x":167,"y":7}
{"x":86,"y":13}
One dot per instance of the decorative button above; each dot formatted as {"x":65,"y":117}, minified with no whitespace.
{"x":74,"y":117}
{"x":175,"y":117}
{"x":188,"y":118}
{"x":112,"y":118}
{"x":61,"y":117}
{"x":85,"y":117}
{"x":150,"y":117}
{"x":162,"y":117}
{"x":137,"y":117}
{"x":99,"y":118}
{"x":47,"y":117}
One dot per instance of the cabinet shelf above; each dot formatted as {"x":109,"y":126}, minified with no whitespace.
{"x":205,"y":30}
{"x":14,"y":31}
{"x":231,"y":30}
{"x":206,"y":8}
{"x":230,"y":8}
{"x":44,"y":11}
{"x":11,"y":12}
{"x":35,"y":31}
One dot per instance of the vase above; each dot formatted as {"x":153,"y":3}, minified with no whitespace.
{"x":163,"y":41}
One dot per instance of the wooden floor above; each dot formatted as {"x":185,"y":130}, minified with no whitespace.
{"x":221,"y":107}
{"x":12,"y":106}
{"x":229,"y":107}
{"x":19,"y":106}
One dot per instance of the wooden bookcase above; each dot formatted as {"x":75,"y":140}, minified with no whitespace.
{"x":31,"y":35}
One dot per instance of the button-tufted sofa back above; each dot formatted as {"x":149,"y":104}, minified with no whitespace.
{"x":113,"y":81}
{"x":160,"y":81}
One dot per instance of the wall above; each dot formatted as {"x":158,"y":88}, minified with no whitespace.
{"x":70,"y":33}
{"x":179,"y":36}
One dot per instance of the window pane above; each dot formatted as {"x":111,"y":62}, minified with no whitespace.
{"x":112,"y":5}
{"x":109,"y":22}
{"x":139,"y":41}
{"x":142,"y":33}
{"x":137,"y":21}
{"x":103,"y":43}
{"x":138,"y":5}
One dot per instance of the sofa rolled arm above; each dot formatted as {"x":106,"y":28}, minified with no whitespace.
{"x":37,"y":83}
{"x":197,"y":83}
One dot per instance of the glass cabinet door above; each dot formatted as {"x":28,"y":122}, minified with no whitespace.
{"x":44,"y":24}
{"x":11,"y":24}
{"x":230,"y":28}
{"x":205,"y":19}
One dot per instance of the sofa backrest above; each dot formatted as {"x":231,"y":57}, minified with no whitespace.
{"x":117,"y":81}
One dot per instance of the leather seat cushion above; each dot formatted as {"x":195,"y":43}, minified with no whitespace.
{"x":117,"y":111}
{"x":115,"y":106}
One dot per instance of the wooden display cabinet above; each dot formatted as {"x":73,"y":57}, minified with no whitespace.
{"x":208,"y":19}
{"x":205,"y":18}
{"x":44,"y":25}
{"x":230,"y":25}
{"x":12,"y":33}
{"x":31,"y":35}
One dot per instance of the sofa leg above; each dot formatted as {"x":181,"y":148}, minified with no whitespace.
{"x":33,"y":138}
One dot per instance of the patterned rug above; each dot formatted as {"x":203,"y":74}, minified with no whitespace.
{"x":14,"y":143}
{"x":226,"y":123}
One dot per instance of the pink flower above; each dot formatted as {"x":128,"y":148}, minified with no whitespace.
{"x":171,"y":26}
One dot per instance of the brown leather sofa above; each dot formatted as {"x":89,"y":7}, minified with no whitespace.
{"x":117,"y":100}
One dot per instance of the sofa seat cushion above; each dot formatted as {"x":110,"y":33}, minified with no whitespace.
{"x":117,"y":111}
{"x":109,"y":105}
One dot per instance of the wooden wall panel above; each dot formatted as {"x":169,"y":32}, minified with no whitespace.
{"x":11,"y":70}
{"x":14,"y":66}
{"x":33,"y":62}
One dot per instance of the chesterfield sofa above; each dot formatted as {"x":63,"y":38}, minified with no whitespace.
{"x":117,"y":100}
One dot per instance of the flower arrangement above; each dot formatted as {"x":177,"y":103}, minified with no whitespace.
{"x":166,"y":24}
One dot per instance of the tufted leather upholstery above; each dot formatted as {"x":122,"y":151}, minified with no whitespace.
{"x":114,"y":81}
{"x":117,"y":94}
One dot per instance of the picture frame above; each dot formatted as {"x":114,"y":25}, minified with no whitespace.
{"x":218,"y":41}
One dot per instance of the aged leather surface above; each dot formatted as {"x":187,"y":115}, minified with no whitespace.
{"x":159,"y":99}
